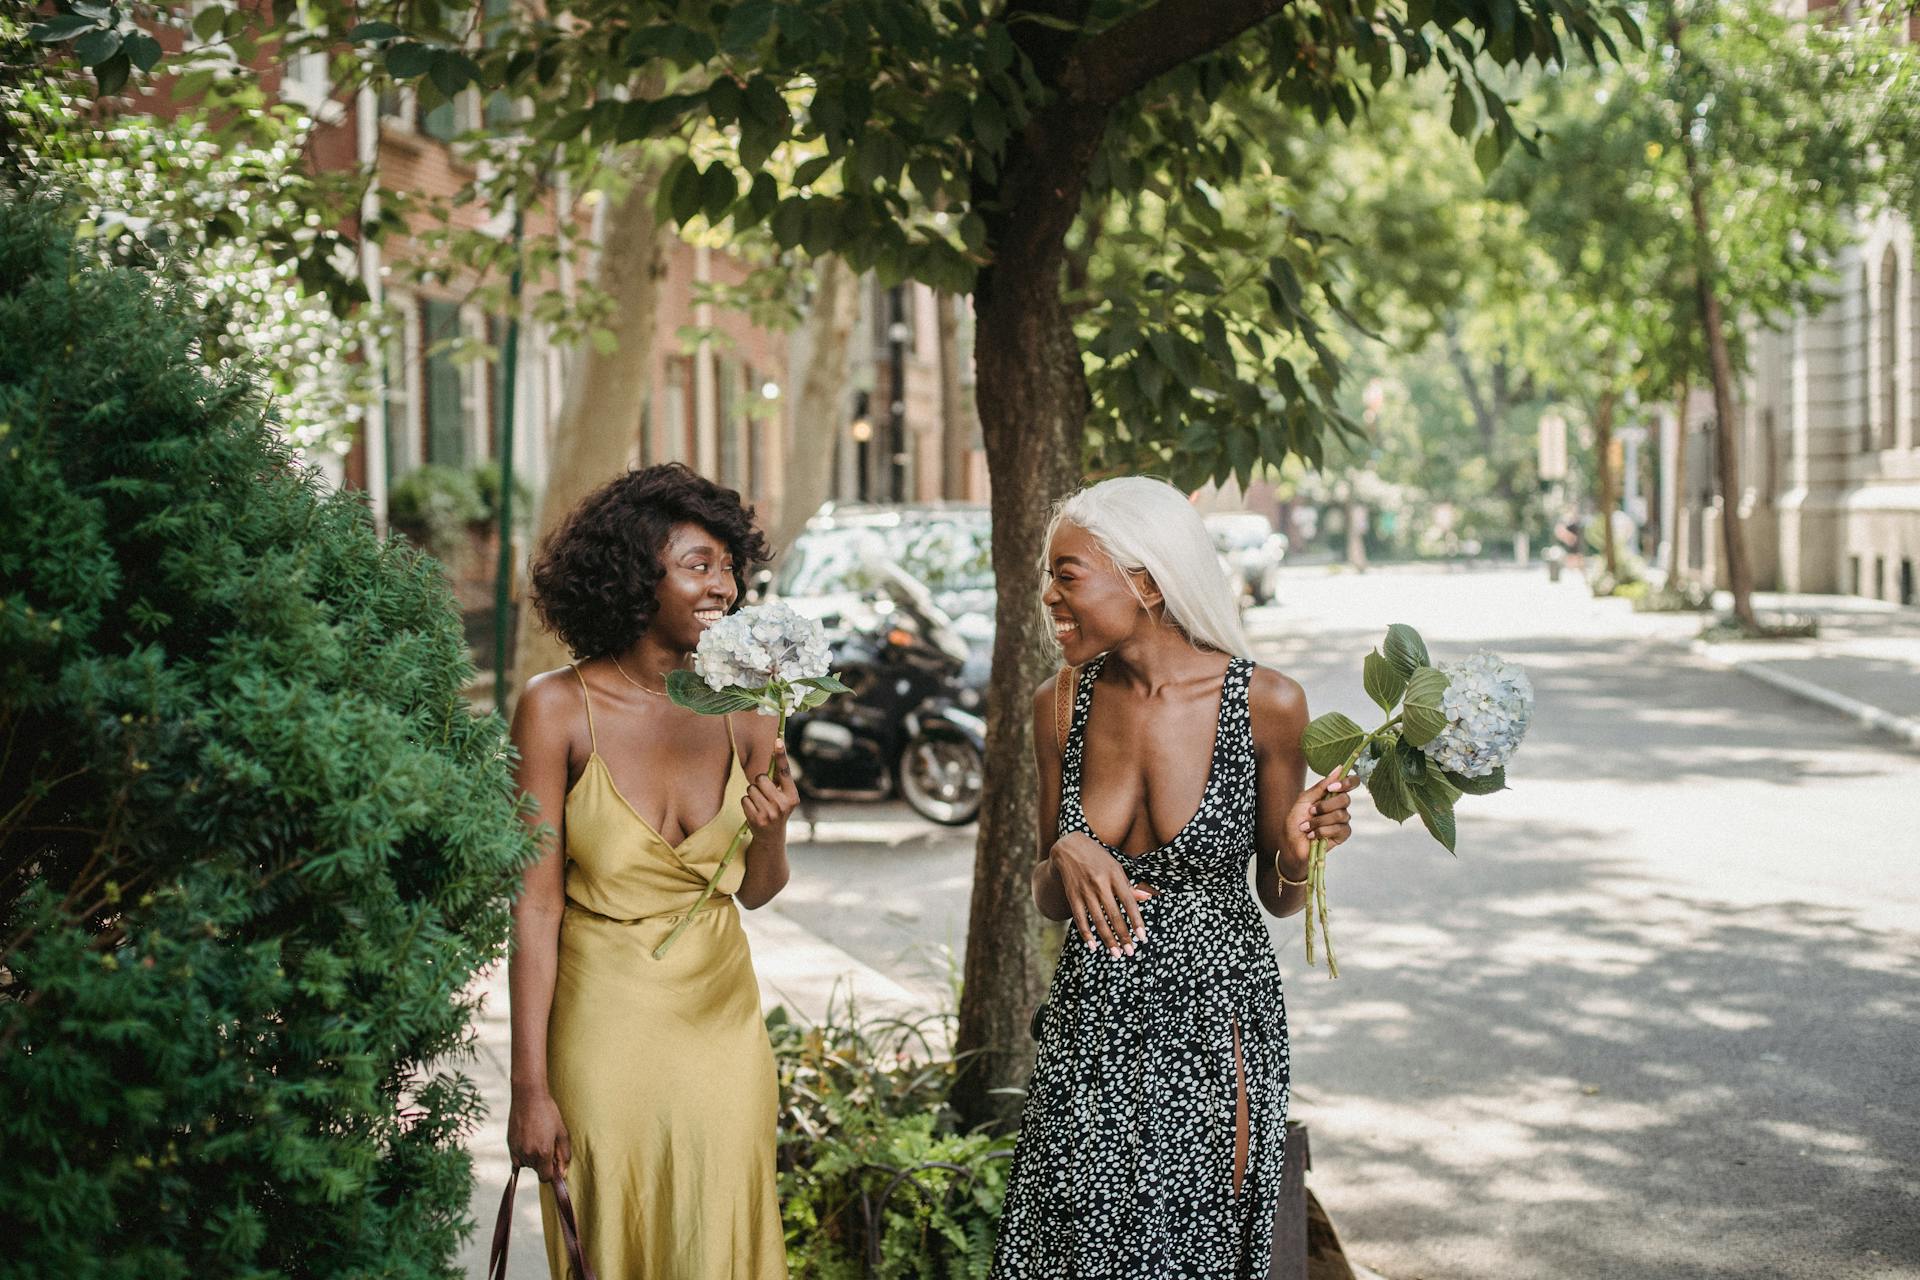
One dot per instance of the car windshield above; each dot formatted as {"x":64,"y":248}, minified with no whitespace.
{"x":947,"y":555}
{"x":1238,"y":533}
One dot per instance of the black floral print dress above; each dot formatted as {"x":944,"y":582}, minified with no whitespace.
{"x":1125,"y":1161}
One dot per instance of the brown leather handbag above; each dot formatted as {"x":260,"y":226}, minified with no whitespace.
{"x":569,"y":1231}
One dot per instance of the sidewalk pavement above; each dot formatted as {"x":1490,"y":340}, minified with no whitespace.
{"x":796,"y":969}
{"x":1864,"y":663}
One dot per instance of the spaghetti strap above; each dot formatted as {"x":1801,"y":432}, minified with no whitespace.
{"x":731,"y":744}
{"x":587,"y":698}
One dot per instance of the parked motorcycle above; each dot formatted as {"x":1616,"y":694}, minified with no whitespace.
{"x":911,"y":724}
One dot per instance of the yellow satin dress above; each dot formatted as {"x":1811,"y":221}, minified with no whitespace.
{"x":661,"y":1068}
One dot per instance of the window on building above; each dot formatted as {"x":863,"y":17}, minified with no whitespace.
{"x":306,"y":81}
{"x":499,"y":109}
{"x":728,"y":419}
{"x":1906,"y":581}
{"x":398,"y":402}
{"x":674,"y":436}
{"x":756,"y":429}
{"x":1889,"y":345}
{"x":1770,"y":444}
{"x":1879,"y":577}
{"x":1853,"y":575}
{"x":1866,"y":360}
{"x":448,"y":415}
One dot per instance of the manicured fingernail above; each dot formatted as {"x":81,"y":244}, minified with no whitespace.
{"x":1313,"y":808}
{"x":1114,"y":952}
{"x":1140,"y":935}
{"x":1092,"y":947}
{"x":1129,"y":948}
{"x":1306,"y":826}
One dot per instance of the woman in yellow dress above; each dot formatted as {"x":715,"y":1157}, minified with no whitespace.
{"x":648,"y":1083}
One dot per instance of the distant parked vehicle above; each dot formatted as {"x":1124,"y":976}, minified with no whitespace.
{"x":1249,"y":543}
{"x":911,"y":725}
{"x":946,"y":547}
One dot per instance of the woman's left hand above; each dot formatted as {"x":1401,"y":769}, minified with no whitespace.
{"x":1323,"y":812}
{"x":769,"y":801}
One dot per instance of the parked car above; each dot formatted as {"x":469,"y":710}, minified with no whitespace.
{"x":1248,"y":542}
{"x":944,"y":546}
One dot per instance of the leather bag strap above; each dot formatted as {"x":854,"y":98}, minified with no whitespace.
{"x":1065,"y":686}
{"x":569,"y":1231}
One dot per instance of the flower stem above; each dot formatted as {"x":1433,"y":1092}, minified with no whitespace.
{"x":739,"y":841}
{"x":1317,"y":868}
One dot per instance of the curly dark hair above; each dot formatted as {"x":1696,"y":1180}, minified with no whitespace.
{"x":596,"y":578}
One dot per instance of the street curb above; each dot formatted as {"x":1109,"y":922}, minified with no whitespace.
{"x":798,"y":968}
{"x":1872,"y":717}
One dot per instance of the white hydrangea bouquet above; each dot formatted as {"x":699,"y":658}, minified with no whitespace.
{"x":1456,"y":726}
{"x":766,"y":658}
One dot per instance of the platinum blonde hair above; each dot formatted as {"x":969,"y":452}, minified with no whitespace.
{"x":1144,"y":523}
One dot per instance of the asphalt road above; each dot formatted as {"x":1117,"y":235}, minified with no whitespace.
{"x":1660,"y":1018}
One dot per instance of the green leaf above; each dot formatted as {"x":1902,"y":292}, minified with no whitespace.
{"x":143,"y":50}
{"x":830,"y":682}
{"x":452,"y":72}
{"x":408,"y":60}
{"x":373,"y":31}
{"x":683,"y":191}
{"x":690,"y":691}
{"x":1482,"y":786}
{"x":746,"y":26}
{"x":1436,"y":817}
{"x":111,"y":75}
{"x":1388,"y":786}
{"x":95,"y":47}
{"x":1464,"y":113}
{"x":1329,"y":740}
{"x":207,"y":22}
{"x":718,"y":188}
{"x":1405,"y":649}
{"x":809,"y":172}
{"x":989,"y":123}
{"x":65,"y":27}
{"x":1384,"y":681}
{"x":1421,"y":718}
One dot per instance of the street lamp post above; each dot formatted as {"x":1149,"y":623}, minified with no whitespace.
{"x":896,"y":443}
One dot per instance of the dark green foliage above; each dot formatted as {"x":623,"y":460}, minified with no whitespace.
{"x":876,"y":1178}
{"x":253,"y":844}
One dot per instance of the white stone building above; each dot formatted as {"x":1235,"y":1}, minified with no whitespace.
{"x":1829,"y":460}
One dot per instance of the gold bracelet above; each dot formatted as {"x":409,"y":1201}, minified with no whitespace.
{"x":1281,"y":875}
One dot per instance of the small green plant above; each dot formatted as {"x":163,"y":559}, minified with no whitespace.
{"x":876,"y":1176}
{"x":1676,"y":597}
{"x":434,"y":504}
{"x":486,"y":484}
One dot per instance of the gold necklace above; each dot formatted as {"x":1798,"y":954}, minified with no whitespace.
{"x":658,"y":693}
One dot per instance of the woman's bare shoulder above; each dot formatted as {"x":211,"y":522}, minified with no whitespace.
{"x":550,"y":700}
{"x":1278,"y":703}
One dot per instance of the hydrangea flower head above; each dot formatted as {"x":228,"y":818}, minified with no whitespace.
{"x":763,"y":647}
{"x":1488,"y":703}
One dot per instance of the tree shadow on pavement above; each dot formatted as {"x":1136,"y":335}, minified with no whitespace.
{"x":1548,"y":1066}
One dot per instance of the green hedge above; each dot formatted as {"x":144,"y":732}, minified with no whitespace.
{"x":253,"y":844}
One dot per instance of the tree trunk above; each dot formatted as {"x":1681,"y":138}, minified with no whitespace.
{"x":956,"y":413}
{"x":1720,"y":366}
{"x":820,"y":412}
{"x":1032,"y":393}
{"x":1357,"y":534}
{"x":1682,"y":517}
{"x":597,"y":434}
{"x":1604,"y":479}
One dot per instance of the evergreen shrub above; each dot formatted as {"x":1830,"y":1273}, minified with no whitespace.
{"x":253,"y":844}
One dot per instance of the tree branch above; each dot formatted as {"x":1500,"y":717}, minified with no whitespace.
{"x":1129,"y":55}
